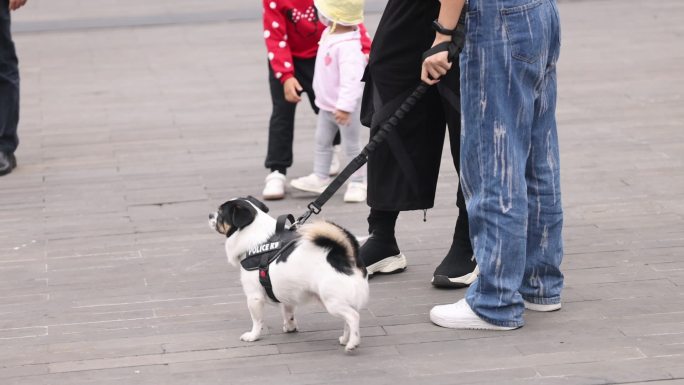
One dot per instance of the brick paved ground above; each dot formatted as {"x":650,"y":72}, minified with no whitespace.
{"x":132,"y":133}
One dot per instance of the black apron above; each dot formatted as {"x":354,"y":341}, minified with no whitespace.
{"x":402,"y":174}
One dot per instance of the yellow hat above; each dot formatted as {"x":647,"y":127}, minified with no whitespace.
{"x":342,"y":12}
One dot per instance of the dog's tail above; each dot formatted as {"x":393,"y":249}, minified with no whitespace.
{"x":343,"y":254}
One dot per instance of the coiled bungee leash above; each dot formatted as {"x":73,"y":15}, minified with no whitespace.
{"x":454,"y":48}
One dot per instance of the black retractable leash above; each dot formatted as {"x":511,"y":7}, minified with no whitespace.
{"x":279,"y":246}
{"x":454,"y":48}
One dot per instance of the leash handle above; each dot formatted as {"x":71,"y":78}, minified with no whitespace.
{"x":453,"y":46}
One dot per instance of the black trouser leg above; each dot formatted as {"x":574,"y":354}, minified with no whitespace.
{"x":451,"y":105}
{"x":9,"y":84}
{"x":381,"y":224}
{"x":280,"y":128}
{"x":458,"y":260}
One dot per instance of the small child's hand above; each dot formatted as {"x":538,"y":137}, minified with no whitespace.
{"x":292,"y":88}
{"x":341,"y":117}
{"x":16,"y":4}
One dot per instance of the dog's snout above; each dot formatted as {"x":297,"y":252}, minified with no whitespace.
{"x":213,"y":218}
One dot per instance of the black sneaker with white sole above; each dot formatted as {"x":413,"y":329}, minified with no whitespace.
{"x":449,"y":275}
{"x":382,"y":256}
{"x":458,"y":269}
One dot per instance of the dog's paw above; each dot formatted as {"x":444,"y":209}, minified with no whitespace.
{"x":344,"y":339}
{"x":249,"y":337}
{"x":290,"y":328}
{"x":350,"y":346}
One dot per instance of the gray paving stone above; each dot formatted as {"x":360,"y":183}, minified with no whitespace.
{"x":139,"y":118}
{"x":616,"y":371}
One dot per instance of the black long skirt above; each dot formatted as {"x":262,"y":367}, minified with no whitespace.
{"x":402,"y":174}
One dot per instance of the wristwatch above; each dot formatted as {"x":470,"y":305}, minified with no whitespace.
{"x":441,"y":30}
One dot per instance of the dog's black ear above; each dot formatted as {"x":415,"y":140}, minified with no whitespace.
{"x":257,"y":203}
{"x":242,"y":213}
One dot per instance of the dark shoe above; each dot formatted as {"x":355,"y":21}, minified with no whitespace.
{"x":458,"y":269}
{"x":382,"y":257}
{"x":455,"y":274}
{"x":7,"y":163}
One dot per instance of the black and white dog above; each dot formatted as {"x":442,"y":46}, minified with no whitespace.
{"x":316,"y":262}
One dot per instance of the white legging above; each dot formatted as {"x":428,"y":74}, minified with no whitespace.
{"x":326,"y":128}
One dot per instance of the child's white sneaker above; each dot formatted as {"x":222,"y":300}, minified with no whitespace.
{"x":310,"y":183}
{"x":275,"y":186}
{"x":335,"y":162}
{"x":356,"y":192}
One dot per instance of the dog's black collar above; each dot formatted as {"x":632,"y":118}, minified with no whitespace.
{"x":277,"y":247}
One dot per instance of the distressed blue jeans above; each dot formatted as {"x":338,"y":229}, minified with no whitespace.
{"x":509,"y":155}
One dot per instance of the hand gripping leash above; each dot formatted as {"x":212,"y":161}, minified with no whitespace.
{"x":454,"y":48}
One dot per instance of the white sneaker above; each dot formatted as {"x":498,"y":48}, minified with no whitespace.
{"x":539,"y":307}
{"x":310,"y":183}
{"x":459,"y":315}
{"x":275,"y":186}
{"x":335,"y":163}
{"x":356,"y":192}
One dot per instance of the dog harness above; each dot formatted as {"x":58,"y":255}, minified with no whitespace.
{"x":278,"y":247}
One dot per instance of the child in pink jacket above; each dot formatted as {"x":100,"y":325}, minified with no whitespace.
{"x":337,"y":84}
